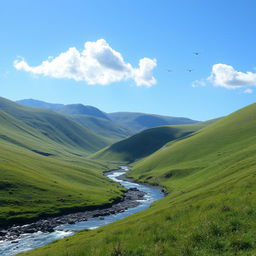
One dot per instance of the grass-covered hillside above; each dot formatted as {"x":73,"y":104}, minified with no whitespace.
{"x":88,"y":116}
{"x":113,"y":126}
{"x":211,"y":206}
{"x":78,"y":109}
{"x":142,"y":121}
{"x":146,"y":142}
{"x":43,"y":170}
{"x":111,"y":131}
{"x":53,"y":126}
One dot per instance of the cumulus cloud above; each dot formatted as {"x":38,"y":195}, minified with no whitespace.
{"x":226,"y":76}
{"x":97,"y":63}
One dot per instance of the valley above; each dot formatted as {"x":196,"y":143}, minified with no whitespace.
{"x":127,"y":128}
{"x":207,"y":170}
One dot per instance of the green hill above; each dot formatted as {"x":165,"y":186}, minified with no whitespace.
{"x":113,"y":126}
{"x":211,"y":206}
{"x":54,"y":126}
{"x":43,"y":170}
{"x":103,"y":127}
{"x":145,"y":142}
{"x":78,"y":109}
{"x":142,"y":121}
{"x":89,"y":117}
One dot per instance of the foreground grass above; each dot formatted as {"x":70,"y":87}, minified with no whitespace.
{"x":210,"y":208}
{"x":213,"y":226}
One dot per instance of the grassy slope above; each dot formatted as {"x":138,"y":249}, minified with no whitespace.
{"x":87,"y":116}
{"x":65,"y":109}
{"x":211,"y":206}
{"x":145,"y":143}
{"x":142,"y":121}
{"x":45,"y":175}
{"x":106,"y":128}
{"x":54,"y":126}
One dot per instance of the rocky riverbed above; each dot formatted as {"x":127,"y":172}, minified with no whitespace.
{"x":129,"y":200}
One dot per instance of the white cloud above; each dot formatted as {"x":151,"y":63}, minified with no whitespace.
{"x":226,"y":76}
{"x":248,"y":91}
{"x":98,"y":63}
{"x":143,"y":75}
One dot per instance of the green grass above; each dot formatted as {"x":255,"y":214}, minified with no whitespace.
{"x":87,"y":116}
{"x":211,"y":206}
{"x":43,"y":169}
{"x":142,"y":121}
{"x":146,"y":142}
{"x":106,"y":128}
{"x":52,"y":126}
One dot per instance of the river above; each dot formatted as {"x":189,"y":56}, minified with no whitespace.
{"x":31,"y":241}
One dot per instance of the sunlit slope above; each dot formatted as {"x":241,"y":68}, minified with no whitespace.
{"x":211,"y":206}
{"x":110,"y":130}
{"x":43,"y":174}
{"x":223,"y":141}
{"x":142,"y":121}
{"x":33,"y":185}
{"x":146,"y":142}
{"x":87,"y":116}
{"x":52,"y":126}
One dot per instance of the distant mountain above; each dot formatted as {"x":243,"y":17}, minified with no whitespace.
{"x":53,"y":127}
{"x":113,"y":126}
{"x":39,"y":104}
{"x":70,"y":109}
{"x":142,"y":121}
{"x":80,"y":109}
{"x":88,"y":116}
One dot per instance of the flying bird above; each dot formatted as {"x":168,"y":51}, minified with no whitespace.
{"x":196,"y":53}
{"x":189,"y":70}
{"x":169,"y":70}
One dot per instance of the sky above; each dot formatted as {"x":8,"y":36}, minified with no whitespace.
{"x":190,"y":58}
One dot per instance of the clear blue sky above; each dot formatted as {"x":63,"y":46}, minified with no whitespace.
{"x":165,"y":31}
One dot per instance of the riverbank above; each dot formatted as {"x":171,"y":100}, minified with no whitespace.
{"x":47,"y":225}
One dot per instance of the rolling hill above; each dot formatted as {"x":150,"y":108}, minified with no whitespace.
{"x":210,"y":208}
{"x":43,"y":170}
{"x":54,"y":126}
{"x":146,"y":142}
{"x":103,"y":127}
{"x":142,"y":121}
{"x":89,"y":117}
{"x":113,"y":126}
{"x":78,"y":109}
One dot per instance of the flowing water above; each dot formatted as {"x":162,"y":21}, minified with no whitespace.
{"x":30,"y":241}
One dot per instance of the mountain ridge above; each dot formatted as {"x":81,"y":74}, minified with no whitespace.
{"x":141,"y":121}
{"x":120,"y":124}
